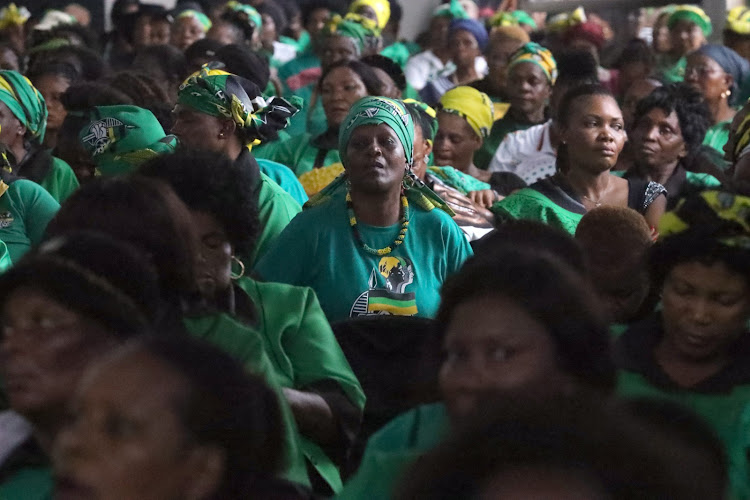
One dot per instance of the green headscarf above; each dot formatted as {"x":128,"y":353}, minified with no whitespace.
{"x":361,"y":29}
{"x":217,"y":93}
{"x":523,"y":17}
{"x":693,"y":14}
{"x":535,"y":53}
{"x":452,"y":10}
{"x":202,"y":18}
{"x":119,"y":138}
{"x":25,"y":102}
{"x":252,"y":14}
{"x":376,"y":111}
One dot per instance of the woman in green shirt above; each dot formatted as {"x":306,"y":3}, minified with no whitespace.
{"x":23,"y":122}
{"x":718,"y":73}
{"x":323,"y":393}
{"x":695,"y":350}
{"x":688,"y":28}
{"x":532,"y":72}
{"x":342,"y":84}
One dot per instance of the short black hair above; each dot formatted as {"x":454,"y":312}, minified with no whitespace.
{"x":243,"y":61}
{"x":63,"y":69}
{"x":310,"y":6}
{"x":389,"y":66}
{"x":224,"y":406}
{"x":550,"y":291}
{"x":636,"y":51}
{"x":364,"y":71}
{"x":88,"y":63}
{"x":212,"y":183}
{"x":690,"y":106}
{"x":167,"y":58}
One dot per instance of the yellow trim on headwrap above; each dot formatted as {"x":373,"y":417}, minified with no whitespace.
{"x":382,"y":9}
{"x":693,"y":14}
{"x":561,"y":22}
{"x":12,"y":15}
{"x":728,"y":206}
{"x":474,"y":106}
{"x":738,"y":20}
{"x":6,"y":86}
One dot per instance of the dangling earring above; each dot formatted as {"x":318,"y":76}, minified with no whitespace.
{"x":726,"y":94}
{"x":242,"y":268}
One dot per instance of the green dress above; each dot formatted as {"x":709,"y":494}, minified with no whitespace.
{"x":301,"y":154}
{"x":25,"y":210}
{"x":392,"y":449}
{"x":318,"y":249}
{"x":500,"y":129}
{"x":723,"y":400}
{"x":461,"y":182}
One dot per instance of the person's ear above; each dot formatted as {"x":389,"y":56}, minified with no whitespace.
{"x":478,"y":141}
{"x":427,"y":148}
{"x":205,"y":471}
{"x":729,"y":82}
{"x":228,"y":128}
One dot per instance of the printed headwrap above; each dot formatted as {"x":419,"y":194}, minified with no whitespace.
{"x":202,"y":18}
{"x":25,"y":102}
{"x":474,"y":27}
{"x":375,"y":111}
{"x":724,"y":215}
{"x":13,"y":15}
{"x":253,"y":16}
{"x":524,"y":18}
{"x":742,"y":138}
{"x":730,"y":61}
{"x":534,"y":53}
{"x":589,"y":30}
{"x":503,"y":18}
{"x":452,"y":10}
{"x":427,"y":110}
{"x":360,"y":29}
{"x":382,"y":10}
{"x":120,"y":138}
{"x":693,"y":14}
{"x":474,"y":106}
{"x":564,"y":20}
{"x":738,"y":20}
{"x":218,"y":93}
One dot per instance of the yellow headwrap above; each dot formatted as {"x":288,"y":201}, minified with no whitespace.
{"x":560,"y":22}
{"x":13,"y":15}
{"x":738,"y":20}
{"x":381,"y":7}
{"x":473,"y":105}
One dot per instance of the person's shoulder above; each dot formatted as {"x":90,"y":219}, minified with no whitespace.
{"x":271,"y":189}
{"x":274,"y":292}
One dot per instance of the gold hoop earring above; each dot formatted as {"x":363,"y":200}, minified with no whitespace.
{"x":242,"y":268}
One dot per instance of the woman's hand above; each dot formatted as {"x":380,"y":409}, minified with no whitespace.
{"x":484,"y":198}
{"x":467,"y":212}
{"x":312,"y":414}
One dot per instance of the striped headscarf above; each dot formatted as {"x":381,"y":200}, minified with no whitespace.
{"x":693,"y":14}
{"x":376,"y":111}
{"x":25,"y":102}
{"x":535,"y":53}
{"x":202,"y":18}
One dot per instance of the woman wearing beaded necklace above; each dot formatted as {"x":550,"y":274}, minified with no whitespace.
{"x":376,"y":240}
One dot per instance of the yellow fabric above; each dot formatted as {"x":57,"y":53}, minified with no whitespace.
{"x":382,"y":10}
{"x":738,"y":20}
{"x":12,"y":15}
{"x":565,"y":20}
{"x":475,"y":106}
{"x":727,"y":206}
{"x":4,"y":85}
{"x":501,"y":108}
{"x":318,"y":178}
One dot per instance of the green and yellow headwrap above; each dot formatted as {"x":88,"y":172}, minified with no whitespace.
{"x":693,"y":14}
{"x":503,"y":18}
{"x":13,"y":15}
{"x":428,"y":111}
{"x":119,"y":138}
{"x":534,"y":53}
{"x":742,"y":137}
{"x":474,"y":106}
{"x":738,"y":20}
{"x":217,"y":93}
{"x":25,"y":102}
{"x":382,"y":10}
{"x":375,"y":111}
{"x":725,"y":214}
{"x":452,"y":10}
{"x":561,"y":22}
{"x":360,"y":29}
{"x":202,"y":18}
{"x":246,"y":10}
{"x":524,"y":18}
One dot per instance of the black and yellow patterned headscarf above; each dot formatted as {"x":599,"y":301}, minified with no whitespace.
{"x":218,"y":93}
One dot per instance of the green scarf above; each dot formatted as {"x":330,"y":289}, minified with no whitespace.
{"x":25,"y":102}
{"x":377,"y":111}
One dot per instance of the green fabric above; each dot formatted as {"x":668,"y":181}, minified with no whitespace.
{"x":276,"y":208}
{"x":672,"y":72}
{"x":358,"y":28}
{"x":60,"y":181}
{"x":247,"y":346}
{"x":301,"y":45}
{"x":717,"y":136}
{"x":501,"y":128}
{"x":285,"y":178}
{"x":376,"y":111}
{"x":247,"y":10}
{"x":453,"y":10}
{"x":302,"y":350}
{"x":349,"y":281}
{"x":298,"y":78}
{"x":25,"y":210}
{"x":5,"y":264}
{"x":702,"y":181}
{"x":534,"y":53}
{"x":392,"y":449}
{"x":461,"y":182}
{"x":400,"y":52}
{"x":693,"y":14}
{"x":120,"y":138}
{"x":728,"y":414}
{"x":31,"y":483}
{"x":297,"y":153}
{"x":25,"y":102}
{"x":202,"y":18}
{"x":531,"y":204}
{"x":524,"y":18}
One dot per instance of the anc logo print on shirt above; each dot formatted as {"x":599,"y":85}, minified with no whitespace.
{"x":393,"y":299}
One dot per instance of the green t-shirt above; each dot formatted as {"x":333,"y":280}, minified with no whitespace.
{"x":672,"y":72}
{"x":276,"y":208}
{"x":318,"y":249}
{"x":298,"y":154}
{"x":717,"y":135}
{"x":461,"y":182}
{"x":284,"y":177}
{"x":530,"y":204}
{"x":60,"y":181}
{"x":392,"y":449}
{"x":500,"y":129}
{"x":30,"y":483}
{"x":25,"y":210}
